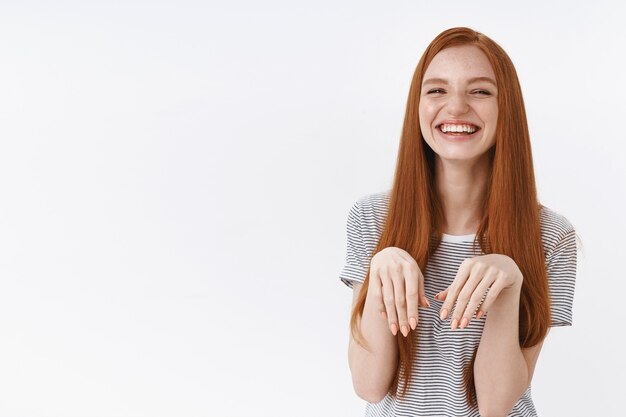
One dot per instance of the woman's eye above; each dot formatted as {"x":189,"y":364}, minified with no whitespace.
{"x":436,"y":91}
{"x":483,"y":92}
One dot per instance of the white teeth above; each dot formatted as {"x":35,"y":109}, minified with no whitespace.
{"x":458,"y":128}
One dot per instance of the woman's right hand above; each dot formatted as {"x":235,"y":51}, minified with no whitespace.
{"x":396,"y":287}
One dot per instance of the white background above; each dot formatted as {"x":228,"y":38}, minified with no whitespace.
{"x":175,"y":178}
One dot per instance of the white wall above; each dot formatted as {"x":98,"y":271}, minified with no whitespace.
{"x":175,"y":179}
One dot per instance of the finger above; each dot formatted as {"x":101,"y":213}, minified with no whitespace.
{"x":491,"y":296}
{"x":423,"y":301}
{"x":441,"y":296}
{"x":454,"y":289}
{"x":475,"y":299}
{"x":412,"y":284}
{"x":389,"y":301}
{"x":400,"y":298}
{"x":476,"y":275}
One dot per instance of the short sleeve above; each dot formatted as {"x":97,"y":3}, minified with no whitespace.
{"x":561,"y":267}
{"x":357,"y":257}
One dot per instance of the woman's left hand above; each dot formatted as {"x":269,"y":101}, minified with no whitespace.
{"x":492,"y":272}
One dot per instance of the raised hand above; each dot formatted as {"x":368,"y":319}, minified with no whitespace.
{"x":396,"y":286}
{"x":476,"y":276}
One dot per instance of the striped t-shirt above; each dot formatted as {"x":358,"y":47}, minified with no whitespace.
{"x":437,"y":387}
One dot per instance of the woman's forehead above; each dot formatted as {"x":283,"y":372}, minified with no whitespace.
{"x":466,"y":61}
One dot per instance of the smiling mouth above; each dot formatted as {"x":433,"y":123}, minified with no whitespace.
{"x":464,"y":129}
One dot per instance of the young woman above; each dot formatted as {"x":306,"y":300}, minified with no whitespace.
{"x":458,"y":271}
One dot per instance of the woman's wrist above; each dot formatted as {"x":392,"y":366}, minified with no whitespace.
{"x":508,"y":298}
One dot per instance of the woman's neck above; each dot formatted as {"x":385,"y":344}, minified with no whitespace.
{"x":461,"y":187}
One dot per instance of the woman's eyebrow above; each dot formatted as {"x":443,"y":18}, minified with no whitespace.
{"x":470,"y":81}
{"x":435,"y":81}
{"x":485,"y":79}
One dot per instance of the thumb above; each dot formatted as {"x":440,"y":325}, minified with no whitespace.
{"x":423,"y":301}
{"x":442,"y":295}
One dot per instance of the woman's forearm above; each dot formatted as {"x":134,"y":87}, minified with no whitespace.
{"x":373,"y":372}
{"x":501,"y":372}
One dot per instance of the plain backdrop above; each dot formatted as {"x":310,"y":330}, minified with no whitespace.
{"x":175,"y":179}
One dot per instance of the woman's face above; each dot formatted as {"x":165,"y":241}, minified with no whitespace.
{"x":458,"y":108}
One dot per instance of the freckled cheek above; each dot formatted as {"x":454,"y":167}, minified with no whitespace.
{"x":427,"y":114}
{"x":489,"y":114}
{"x":495,"y":116}
{"x":490,"y":118}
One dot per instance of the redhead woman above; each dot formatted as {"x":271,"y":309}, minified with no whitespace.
{"x":458,"y":271}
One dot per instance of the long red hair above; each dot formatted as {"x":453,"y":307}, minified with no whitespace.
{"x":510,"y":206}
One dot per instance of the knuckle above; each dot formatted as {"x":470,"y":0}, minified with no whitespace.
{"x":412,"y":268}
{"x":397,"y":264}
{"x":478,"y":263}
{"x":395,"y":272}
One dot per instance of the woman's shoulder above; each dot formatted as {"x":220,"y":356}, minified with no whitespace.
{"x":554,"y":227}
{"x":372,"y":209}
{"x":377,"y":200}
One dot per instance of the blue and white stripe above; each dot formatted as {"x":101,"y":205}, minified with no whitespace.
{"x":437,"y":387}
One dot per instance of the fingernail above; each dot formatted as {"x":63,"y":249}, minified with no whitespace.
{"x":455,"y":324}
{"x":394,"y":329}
{"x":405,"y":330}
{"x":383,"y":314}
{"x":413,"y":323}
{"x":479,"y":314}
{"x":427,"y":302}
{"x":464,"y":322}
{"x":444,"y":313}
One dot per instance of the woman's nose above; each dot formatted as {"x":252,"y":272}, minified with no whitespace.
{"x":457,"y":104}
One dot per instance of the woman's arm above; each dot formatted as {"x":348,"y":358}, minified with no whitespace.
{"x":372,"y":373}
{"x":502,"y":370}
{"x":394,"y":293}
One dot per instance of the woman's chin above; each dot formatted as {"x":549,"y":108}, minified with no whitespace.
{"x":460,"y":158}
